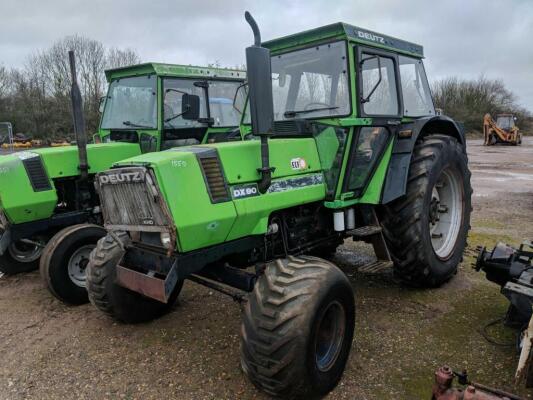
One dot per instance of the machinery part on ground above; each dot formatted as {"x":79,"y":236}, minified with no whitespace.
{"x":512,"y":270}
{"x":298,"y":327}
{"x":22,"y":256}
{"x":64,"y":261}
{"x":443,"y":390}
{"x":426,"y":230}
{"x":501,"y":131}
{"x":114,"y":300}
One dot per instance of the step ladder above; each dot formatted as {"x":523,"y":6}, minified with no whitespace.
{"x":373,"y":233}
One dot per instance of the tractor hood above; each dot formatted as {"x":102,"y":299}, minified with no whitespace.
{"x":211,"y":190}
{"x":27,"y":191}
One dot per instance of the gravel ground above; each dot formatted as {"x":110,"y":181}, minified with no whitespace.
{"x":50,"y":351}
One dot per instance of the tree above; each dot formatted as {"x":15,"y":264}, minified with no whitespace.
{"x":36,"y":98}
{"x":469,"y":100}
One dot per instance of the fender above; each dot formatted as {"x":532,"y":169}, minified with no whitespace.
{"x":398,"y":171}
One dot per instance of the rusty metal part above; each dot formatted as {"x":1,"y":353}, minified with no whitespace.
{"x":443,"y":390}
{"x":149,"y":284}
{"x":494,"y":134}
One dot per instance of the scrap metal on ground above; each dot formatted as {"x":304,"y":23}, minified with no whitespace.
{"x":512,"y":269}
{"x":443,"y":390}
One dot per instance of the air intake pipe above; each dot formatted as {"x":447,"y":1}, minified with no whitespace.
{"x":78,"y":119}
{"x":259,"y":75}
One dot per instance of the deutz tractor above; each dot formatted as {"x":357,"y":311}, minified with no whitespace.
{"x":49,"y":211}
{"x":345,"y":144}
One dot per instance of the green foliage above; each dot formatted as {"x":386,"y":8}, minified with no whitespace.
{"x":36,"y":98}
{"x":468,"y":101}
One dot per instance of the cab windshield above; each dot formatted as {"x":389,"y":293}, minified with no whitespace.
{"x":311,"y":83}
{"x":131,"y":103}
{"x":221,"y":95}
{"x":505,"y":122}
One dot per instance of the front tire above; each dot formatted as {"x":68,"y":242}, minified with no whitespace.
{"x":64,"y":262}
{"x":21,"y":257}
{"x":427,"y":228}
{"x":298,"y":327}
{"x":116,"y":301}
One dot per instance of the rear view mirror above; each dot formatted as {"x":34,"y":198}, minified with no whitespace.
{"x":101,"y":104}
{"x":190,"y":106}
{"x":282,"y":78}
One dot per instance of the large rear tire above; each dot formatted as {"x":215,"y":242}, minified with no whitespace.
{"x":426,"y":230}
{"x":21,"y":257}
{"x":114,"y":300}
{"x":64,"y":262}
{"x":298,"y":327}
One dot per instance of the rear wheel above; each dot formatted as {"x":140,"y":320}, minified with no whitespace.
{"x":114,"y":300}
{"x":426,"y":229}
{"x":22,"y":256}
{"x":64,"y":261}
{"x":298,"y":327}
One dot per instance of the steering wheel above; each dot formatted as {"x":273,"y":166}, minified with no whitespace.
{"x":316,"y":103}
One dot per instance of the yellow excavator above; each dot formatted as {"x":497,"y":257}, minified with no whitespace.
{"x":503,"y":130}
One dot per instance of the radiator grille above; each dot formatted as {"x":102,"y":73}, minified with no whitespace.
{"x":214,"y":178}
{"x":131,"y":200}
{"x":37,"y":174}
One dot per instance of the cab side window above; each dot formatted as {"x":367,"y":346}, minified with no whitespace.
{"x":379,"y":94}
{"x":417,"y":100}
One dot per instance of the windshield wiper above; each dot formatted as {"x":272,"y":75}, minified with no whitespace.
{"x":129,"y":123}
{"x":292,"y":113}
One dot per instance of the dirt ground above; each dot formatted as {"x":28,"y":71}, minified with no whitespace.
{"x":50,"y":351}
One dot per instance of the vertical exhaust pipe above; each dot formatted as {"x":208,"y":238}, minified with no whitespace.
{"x":259,"y":75}
{"x":78,"y":119}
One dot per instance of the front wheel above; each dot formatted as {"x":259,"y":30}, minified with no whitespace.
{"x":114,"y":300}
{"x":426,"y":229}
{"x":64,"y":262}
{"x":22,"y":256}
{"x":298,"y":327}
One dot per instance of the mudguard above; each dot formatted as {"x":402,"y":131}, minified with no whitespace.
{"x":398,"y":171}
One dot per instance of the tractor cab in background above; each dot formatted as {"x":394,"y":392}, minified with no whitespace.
{"x":145,"y":104}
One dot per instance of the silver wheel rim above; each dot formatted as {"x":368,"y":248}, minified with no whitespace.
{"x":446,"y":213}
{"x":26,"y":252}
{"x":78,"y":264}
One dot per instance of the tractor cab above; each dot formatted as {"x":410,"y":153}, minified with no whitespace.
{"x":505,"y":122}
{"x":161,"y":106}
{"x":352,"y":89}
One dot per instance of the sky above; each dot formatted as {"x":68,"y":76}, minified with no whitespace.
{"x":463,"y":38}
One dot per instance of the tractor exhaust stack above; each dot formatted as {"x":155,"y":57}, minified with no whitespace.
{"x":261,"y":102}
{"x":78,"y":119}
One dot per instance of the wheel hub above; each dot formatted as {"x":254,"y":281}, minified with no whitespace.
{"x":330,"y":336}
{"x":446,"y":213}
{"x":78,"y":264}
{"x":26,"y":251}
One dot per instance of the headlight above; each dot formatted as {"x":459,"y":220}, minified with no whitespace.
{"x":166,"y":240}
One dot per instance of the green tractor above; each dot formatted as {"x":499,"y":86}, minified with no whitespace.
{"x":49,"y":211}
{"x":345,"y":144}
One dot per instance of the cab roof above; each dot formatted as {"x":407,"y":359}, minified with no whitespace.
{"x":343,"y":31}
{"x":174,"y":70}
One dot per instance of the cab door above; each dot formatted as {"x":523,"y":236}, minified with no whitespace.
{"x":379,"y":100}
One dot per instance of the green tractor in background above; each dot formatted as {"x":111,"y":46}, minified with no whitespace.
{"x":49,"y":211}
{"x":347,"y":146}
